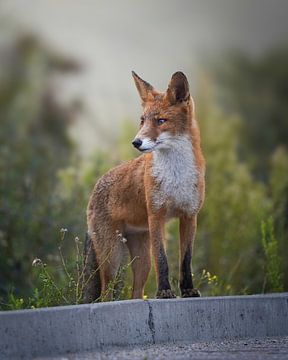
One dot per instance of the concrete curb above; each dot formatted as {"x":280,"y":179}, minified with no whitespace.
{"x":69,"y":329}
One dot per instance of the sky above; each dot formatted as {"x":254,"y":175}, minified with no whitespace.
{"x":153,"y":38}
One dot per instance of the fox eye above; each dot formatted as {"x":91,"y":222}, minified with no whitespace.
{"x":141,"y":120}
{"x":161,"y":121}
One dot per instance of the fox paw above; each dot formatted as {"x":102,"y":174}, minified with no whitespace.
{"x":186,"y":293}
{"x":165,"y":294}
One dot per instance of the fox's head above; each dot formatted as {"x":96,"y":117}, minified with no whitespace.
{"x":166,"y":115}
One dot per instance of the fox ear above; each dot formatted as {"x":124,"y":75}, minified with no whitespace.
{"x":143,"y":87}
{"x":178,"y":88}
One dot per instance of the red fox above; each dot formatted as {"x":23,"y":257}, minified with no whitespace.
{"x":133,"y":201}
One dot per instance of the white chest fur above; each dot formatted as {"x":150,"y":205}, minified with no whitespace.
{"x":176,"y":173}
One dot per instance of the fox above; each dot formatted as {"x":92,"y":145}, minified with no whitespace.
{"x":130,"y":204}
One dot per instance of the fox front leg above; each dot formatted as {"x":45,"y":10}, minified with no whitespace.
{"x":156,"y":229}
{"x":188,"y":226}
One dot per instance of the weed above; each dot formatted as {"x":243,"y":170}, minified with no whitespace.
{"x":273,"y":280}
{"x":210,"y":285}
{"x":70,"y":289}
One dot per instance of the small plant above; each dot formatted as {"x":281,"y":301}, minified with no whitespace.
{"x":52,"y":292}
{"x":210,"y":285}
{"x":207,"y":283}
{"x":13,"y":302}
{"x":273,"y":281}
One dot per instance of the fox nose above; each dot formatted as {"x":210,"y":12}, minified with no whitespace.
{"x":137,"y":143}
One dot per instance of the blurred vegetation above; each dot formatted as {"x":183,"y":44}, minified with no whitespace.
{"x":242,"y":110}
{"x":34,"y":149}
{"x":256,"y":89}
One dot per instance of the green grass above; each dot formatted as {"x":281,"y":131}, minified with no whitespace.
{"x":273,"y":280}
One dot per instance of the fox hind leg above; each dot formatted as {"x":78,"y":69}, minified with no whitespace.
{"x":140,"y":252}
{"x":110,"y":251}
{"x":110,"y":263}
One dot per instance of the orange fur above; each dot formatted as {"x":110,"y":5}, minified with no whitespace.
{"x":134,"y":199}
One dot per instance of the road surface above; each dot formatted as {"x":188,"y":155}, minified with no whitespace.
{"x":251,"y":349}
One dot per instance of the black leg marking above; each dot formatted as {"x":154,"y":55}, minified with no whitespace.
{"x":186,"y":278}
{"x":163,"y":270}
{"x":186,"y":283}
{"x":164,"y":288}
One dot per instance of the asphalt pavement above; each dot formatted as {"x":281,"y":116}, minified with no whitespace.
{"x":271,"y":348}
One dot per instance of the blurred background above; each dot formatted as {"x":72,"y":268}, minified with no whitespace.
{"x":69,"y":109}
